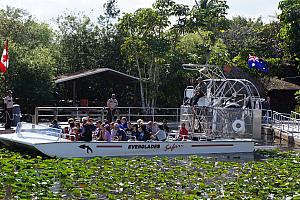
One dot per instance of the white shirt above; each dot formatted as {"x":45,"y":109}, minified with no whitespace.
{"x":161,"y":135}
{"x":9,"y":102}
{"x":112,"y":103}
{"x":113,"y":133}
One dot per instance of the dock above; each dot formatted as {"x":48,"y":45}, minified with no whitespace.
{"x":283,"y":126}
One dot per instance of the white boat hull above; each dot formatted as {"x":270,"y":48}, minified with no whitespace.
{"x":57,"y":147}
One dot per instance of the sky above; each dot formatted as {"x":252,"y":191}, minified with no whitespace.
{"x":47,"y":10}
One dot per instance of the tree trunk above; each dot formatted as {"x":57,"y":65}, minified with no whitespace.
{"x":140,"y":81}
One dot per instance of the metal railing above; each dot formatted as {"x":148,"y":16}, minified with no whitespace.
{"x":46,"y":114}
{"x":295,"y":115}
{"x":289,"y":123}
{"x":282,"y":121}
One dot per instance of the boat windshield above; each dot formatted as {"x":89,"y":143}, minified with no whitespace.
{"x":40,"y":129}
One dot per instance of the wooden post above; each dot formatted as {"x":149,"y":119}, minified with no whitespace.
{"x":36,"y":116}
{"x":74,"y":92}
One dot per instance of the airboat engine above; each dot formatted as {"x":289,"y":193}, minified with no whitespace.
{"x":226,"y":107}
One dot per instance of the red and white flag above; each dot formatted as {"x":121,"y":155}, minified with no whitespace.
{"x":4,"y":58}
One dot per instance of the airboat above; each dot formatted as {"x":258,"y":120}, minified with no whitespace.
{"x":225,"y":119}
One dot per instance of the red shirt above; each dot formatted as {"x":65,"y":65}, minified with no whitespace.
{"x":183,"y":132}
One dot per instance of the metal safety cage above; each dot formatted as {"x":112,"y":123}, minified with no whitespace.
{"x":217,"y":122}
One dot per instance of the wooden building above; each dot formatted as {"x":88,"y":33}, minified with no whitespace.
{"x":94,"y":87}
{"x":282,"y":94}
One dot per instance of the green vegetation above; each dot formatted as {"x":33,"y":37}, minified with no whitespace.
{"x":193,"y":177}
{"x":150,"y":43}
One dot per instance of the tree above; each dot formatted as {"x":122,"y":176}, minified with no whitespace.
{"x":208,"y":15}
{"x":32,"y":62}
{"x":34,"y":72}
{"x":110,"y":38}
{"x":87,"y":45}
{"x":144,"y":46}
{"x":19,"y":26}
{"x":79,"y":44}
{"x":290,"y":28}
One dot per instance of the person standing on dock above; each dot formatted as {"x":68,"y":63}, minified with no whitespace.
{"x":266,"y":109}
{"x":8,"y":106}
{"x":267,"y":104}
{"x":112,"y":105}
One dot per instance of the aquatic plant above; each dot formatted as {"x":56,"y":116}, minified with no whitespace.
{"x":193,"y":177}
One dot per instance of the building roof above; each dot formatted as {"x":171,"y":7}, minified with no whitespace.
{"x":113,"y":74}
{"x":277,"y":84}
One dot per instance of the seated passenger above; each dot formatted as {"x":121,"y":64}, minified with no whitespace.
{"x":87,"y":132}
{"x":77,"y":124}
{"x":144,"y":134}
{"x":120,"y":133}
{"x":113,"y":132}
{"x":91,"y":121}
{"x":107,"y":135}
{"x":161,"y":134}
{"x":155,"y":127}
{"x":183,"y":132}
{"x":75,"y":135}
{"x":97,"y":132}
{"x":129,"y":128}
{"x":102,"y":132}
{"x":66,"y":130}
{"x":124,"y":123}
{"x":65,"y":133}
{"x":150,"y":127}
{"x":84,"y":120}
{"x":119,"y":123}
{"x":166,"y":127}
{"x":71,"y":125}
{"x":135,"y":131}
{"x":140,"y":122}
{"x":140,"y":133}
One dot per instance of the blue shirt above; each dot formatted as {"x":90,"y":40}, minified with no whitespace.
{"x":122,"y":133}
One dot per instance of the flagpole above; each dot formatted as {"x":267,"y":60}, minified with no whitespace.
{"x":6,"y":66}
{"x":6,"y":48}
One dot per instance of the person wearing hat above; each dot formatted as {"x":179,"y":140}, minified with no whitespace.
{"x":71,"y":125}
{"x":8,"y":106}
{"x":112,"y":105}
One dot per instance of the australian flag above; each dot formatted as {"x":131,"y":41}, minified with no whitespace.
{"x":257,"y":63}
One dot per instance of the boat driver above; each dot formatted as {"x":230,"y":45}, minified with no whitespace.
{"x":199,"y":91}
{"x":201,"y":86}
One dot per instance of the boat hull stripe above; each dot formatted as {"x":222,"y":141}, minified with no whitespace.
{"x":212,"y":145}
{"x":107,"y":146}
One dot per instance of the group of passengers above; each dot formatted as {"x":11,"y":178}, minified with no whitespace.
{"x":119,"y":130}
